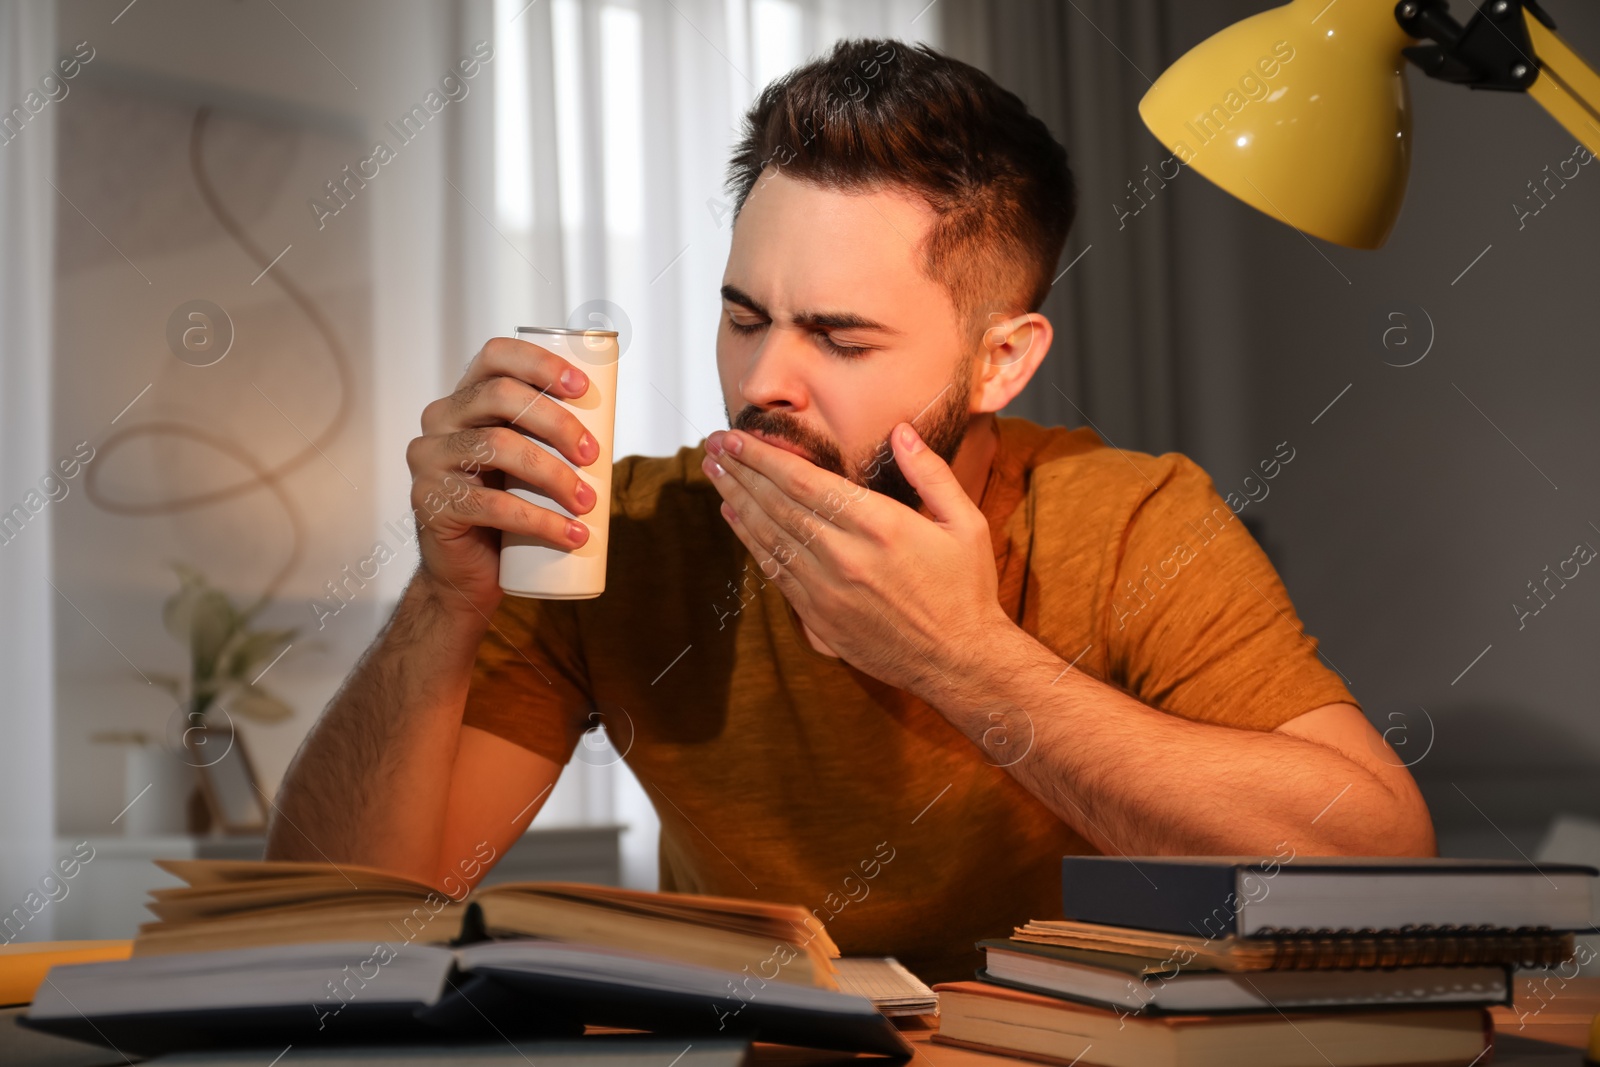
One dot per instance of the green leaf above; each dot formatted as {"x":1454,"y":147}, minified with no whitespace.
{"x":214,"y":622}
{"x":224,"y":651}
{"x":177,"y":614}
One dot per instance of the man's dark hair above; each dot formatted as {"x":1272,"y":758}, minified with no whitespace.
{"x":880,"y":112}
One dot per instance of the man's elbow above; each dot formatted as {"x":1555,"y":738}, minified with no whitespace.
{"x":1415,"y":833}
{"x":1398,"y":824}
{"x":1411,"y":836}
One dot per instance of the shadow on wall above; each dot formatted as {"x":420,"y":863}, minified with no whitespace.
{"x":1494,"y":791}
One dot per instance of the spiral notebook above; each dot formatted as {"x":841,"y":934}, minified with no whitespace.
{"x":1322,"y":953}
{"x":1156,"y":985}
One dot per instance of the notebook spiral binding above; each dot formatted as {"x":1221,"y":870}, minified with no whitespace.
{"x":1416,"y":946}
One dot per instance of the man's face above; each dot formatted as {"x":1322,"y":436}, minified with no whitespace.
{"x":830,"y":333}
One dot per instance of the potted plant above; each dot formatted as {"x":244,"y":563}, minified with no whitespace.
{"x":227,"y":656}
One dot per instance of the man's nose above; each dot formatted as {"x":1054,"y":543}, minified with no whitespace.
{"x":776,"y":375}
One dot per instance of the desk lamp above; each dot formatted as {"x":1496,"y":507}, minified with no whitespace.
{"x":1302,"y":111}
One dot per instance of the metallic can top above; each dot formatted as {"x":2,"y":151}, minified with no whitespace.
{"x":563,"y":330}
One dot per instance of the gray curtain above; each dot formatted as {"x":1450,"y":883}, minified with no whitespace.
{"x":1081,"y":66}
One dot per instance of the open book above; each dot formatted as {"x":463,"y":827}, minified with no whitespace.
{"x":231,"y":904}
{"x":350,"y":992}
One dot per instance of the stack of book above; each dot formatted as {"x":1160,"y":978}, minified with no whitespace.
{"x":1241,"y":961}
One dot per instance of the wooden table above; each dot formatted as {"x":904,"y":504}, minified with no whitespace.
{"x":1559,"y":1015}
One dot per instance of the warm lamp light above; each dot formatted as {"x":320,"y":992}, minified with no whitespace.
{"x":1303,"y":112}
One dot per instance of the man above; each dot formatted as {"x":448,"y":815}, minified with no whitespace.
{"x":874,"y":651}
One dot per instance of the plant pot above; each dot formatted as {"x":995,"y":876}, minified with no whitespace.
{"x":163,"y":807}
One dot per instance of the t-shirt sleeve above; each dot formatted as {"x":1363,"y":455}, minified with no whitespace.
{"x":1198,"y":622}
{"x":530,"y":680}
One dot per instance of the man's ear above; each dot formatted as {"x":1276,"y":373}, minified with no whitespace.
{"x":1010,"y":352}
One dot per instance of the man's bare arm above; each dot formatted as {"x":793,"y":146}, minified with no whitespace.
{"x":389,"y":777}
{"x":368,"y":784}
{"x":378,"y":781}
{"x":1137,"y":781}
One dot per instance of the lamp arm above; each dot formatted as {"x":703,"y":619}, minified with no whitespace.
{"x":1512,"y":46}
{"x":1567,"y":87}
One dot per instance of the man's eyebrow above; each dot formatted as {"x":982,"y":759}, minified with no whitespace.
{"x":840,"y":320}
{"x":735,"y":295}
{"x":826,"y":320}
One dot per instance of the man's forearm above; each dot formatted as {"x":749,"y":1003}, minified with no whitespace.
{"x":370,"y":782}
{"x":1138,"y":781}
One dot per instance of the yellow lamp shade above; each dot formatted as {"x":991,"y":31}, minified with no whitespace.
{"x":1302,"y":112}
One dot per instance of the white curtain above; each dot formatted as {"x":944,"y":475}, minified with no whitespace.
{"x":613,"y":122}
{"x":27,"y":206}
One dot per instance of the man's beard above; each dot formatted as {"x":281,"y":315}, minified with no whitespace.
{"x":942,"y":425}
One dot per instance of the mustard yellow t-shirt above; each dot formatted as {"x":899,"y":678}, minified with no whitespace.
{"x":784,"y":774}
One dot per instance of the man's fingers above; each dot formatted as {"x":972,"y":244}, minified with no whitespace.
{"x":811,"y":526}
{"x":930,"y":476}
{"x":541,"y":368}
{"x":474,"y":505}
{"x":775,"y":554}
{"x":785,"y":533}
{"x":798,"y":493}
{"x":441,"y":463}
{"x":498,"y":401}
